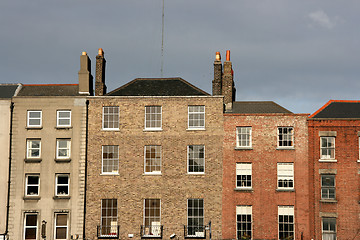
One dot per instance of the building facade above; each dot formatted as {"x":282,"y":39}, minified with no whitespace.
{"x":334,"y":134}
{"x":154,"y":162}
{"x":48,"y":160}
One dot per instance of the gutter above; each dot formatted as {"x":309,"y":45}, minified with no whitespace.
{"x":86,"y":154}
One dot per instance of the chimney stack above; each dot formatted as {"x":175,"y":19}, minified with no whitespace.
{"x":228,"y":89}
{"x":216,"y":83}
{"x":85,"y":77}
{"x":100,"y":87}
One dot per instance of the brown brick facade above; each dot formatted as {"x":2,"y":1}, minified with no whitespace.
{"x":264,"y":197}
{"x":174,"y":186}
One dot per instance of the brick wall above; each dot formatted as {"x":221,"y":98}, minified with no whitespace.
{"x":264,"y":156}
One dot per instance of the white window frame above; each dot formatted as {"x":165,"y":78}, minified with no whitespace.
{"x":156,"y":150}
{"x":244,"y":210}
{"x":27,"y":185}
{"x":112,"y":115}
{"x":286,"y":211}
{"x":151,"y":114}
{"x":328,"y":149}
{"x":327,"y":233}
{"x":59,"y":118}
{"x":244,"y":134}
{"x":328,"y":189}
{"x":29,"y":118}
{"x":67,"y":148}
{"x":200,"y":232}
{"x":243,"y":170}
{"x":31,"y":227}
{"x":194,"y":113}
{"x":114,"y":160}
{"x":156,"y":232}
{"x":57,"y":184}
{"x":285,"y":172}
{"x":56,"y":226}
{"x":29,"y":149}
{"x":284,"y":137}
{"x":110,"y":224}
{"x":189,"y":158}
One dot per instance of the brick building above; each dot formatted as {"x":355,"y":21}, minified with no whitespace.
{"x":265,"y":167}
{"x":154,"y":160}
{"x":48,"y":159}
{"x":334,"y":133}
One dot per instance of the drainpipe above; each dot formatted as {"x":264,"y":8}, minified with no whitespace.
{"x":9,"y":174}
{"x":86,"y":153}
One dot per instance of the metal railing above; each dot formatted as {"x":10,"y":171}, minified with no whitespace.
{"x":108,"y":231}
{"x":153,"y":231}
{"x":198,"y":231}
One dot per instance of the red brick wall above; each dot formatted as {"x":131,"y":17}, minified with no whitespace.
{"x":346,"y":207}
{"x":264,"y":156}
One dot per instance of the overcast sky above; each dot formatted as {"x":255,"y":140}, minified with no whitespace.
{"x":299,"y":54}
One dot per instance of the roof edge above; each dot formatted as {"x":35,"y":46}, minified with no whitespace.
{"x":328,"y":103}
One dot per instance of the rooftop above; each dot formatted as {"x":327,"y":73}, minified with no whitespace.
{"x":338,"y":109}
{"x":158,"y":87}
{"x":8,"y":90}
{"x":254,"y":107}
{"x":49,"y":90}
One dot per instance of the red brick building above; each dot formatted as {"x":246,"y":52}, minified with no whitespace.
{"x":334,"y":133}
{"x":265,"y":166}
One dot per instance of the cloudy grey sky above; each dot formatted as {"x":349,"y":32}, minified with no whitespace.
{"x":299,"y":54}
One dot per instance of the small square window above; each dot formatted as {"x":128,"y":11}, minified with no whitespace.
{"x":243,"y":137}
{"x":63,"y":118}
{"x":63,"y":148}
{"x":327,"y":187}
{"x":33,"y":148}
{"x":34,"y":119}
{"x":32,"y":185}
{"x":327,"y":147}
{"x":61,"y":226}
{"x":110,"y":118}
{"x":285,"y":137}
{"x":153,"y":117}
{"x":285,"y":175}
{"x":196,"y":117}
{"x":62,"y":184}
{"x":152,"y":159}
{"x":196,"y":159}
{"x":30,"y":226}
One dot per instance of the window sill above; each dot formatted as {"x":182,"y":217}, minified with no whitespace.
{"x":328,"y":201}
{"x":195,"y":129}
{"x":61,"y":197}
{"x":111,"y":129}
{"x":152,"y":129}
{"x":285,"y":190}
{"x":32,"y":198}
{"x":285,"y":148}
{"x":196,"y":173}
{"x":63,"y":127}
{"x":152,"y":174}
{"x":34,"y":128}
{"x":243,"y":148}
{"x":327,"y":160}
{"x":32,"y":160}
{"x":109,"y":174}
{"x":243,"y":189}
{"x":65,"y":160}
{"x":358,"y":161}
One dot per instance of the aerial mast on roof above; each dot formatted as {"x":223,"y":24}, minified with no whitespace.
{"x":162,"y":41}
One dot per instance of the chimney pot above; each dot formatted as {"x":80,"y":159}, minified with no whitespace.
{"x":101,"y":52}
{"x":217,"y":56}
{"x":227,"y":55}
{"x":84,"y":53}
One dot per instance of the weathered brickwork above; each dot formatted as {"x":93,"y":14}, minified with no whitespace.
{"x":345,"y":208}
{"x":264,"y":156}
{"x":174,"y":186}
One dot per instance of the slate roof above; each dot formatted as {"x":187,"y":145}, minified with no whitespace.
{"x":338,"y":109}
{"x":49,"y":90}
{"x":257,"y":107}
{"x":8,"y":90}
{"x":158,"y":87}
